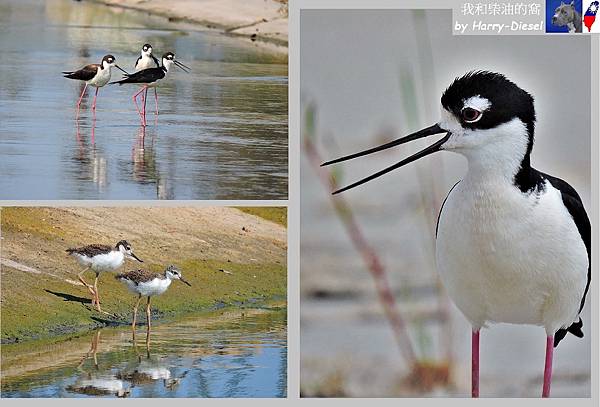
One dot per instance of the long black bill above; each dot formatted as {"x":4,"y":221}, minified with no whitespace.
{"x":183,"y":281}
{"x":123,"y":70}
{"x":429,"y":131}
{"x":183,"y":67}
{"x":136,"y":257}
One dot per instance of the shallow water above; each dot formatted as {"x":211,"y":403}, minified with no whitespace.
{"x":221,"y":132}
{"x":227,"y":355}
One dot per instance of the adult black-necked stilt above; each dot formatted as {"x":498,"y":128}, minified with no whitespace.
{"x":101,"y":258}
{"x":147,"y":284}
{"x":147,"y":60}
{"x":512,"y":243}
{"x":150,"y":78}
{"x":96,"y":75}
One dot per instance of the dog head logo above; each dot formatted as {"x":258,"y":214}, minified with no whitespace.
{"x":567,"y":15}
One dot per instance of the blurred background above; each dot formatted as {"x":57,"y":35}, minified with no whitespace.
{"x":367,"y":77}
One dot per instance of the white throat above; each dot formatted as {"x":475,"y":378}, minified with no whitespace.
{"x":494,"y":153}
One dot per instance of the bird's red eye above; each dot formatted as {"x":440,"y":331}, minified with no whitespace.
{"x":470,"y":115}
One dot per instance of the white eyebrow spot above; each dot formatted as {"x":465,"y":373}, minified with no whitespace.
{"x":477,"y":103}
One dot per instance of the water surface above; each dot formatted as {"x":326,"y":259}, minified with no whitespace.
{"x":221,"y":132}
{"x":233,"y":354}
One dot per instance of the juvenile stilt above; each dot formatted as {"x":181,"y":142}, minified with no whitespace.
{"x":147,"y":283}
{"x":548,"y":366}
{"x":475,"y":364}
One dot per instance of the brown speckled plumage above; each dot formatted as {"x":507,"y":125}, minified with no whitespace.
{"x":91,"y":250}
{"x":140,"y":276}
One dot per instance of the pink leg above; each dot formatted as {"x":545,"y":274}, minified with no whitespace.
{"x":136,"y":104}
{"x":80,"y":99}
{"x":475,"y":364}
{"x":548,"y":366}
{"x":156,"y":100}
{"x":144,"y":108}
{"x":94,"y":104}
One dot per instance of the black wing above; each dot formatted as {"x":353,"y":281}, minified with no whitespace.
{"x":573,"y":203}
{"x":155,"y":60}
{"x":437,"y":224}
{"x":149,"y":75}
{"x":84,"y":74}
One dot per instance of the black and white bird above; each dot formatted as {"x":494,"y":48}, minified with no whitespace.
{"x":145,"y":283}
{"x":151,"y":78}
{"x":96,"y":75}
{"x":145,"y":61}
{"x":512,"y":243}
{"x":101,"y":258}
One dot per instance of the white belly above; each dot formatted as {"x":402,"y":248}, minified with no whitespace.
{"x":145,"y":63}
{"x":103,"y":262}
{"x":505,"y":256}
{"x":101,"y":78}
{"x":150,"y":288}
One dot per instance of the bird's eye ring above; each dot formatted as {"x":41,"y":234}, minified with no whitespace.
{"x":470,"y":115}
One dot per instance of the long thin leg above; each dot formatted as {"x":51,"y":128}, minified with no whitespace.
{"x":88,"y":286}
{"x":475,"y":364}
{"x":94,"y":103}
{"x":80,"y":99}
{"x":137,"y":108}
{"x":96,"y":293}
{"x":144,"y":109}
{"x":148,"y":319}
{"x":135,"y":308}
{"x":136,"y":104}
{"x":156,"y":100}
{"x":548,"y":366}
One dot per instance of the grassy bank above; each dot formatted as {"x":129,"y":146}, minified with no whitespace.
{"x":230,"y":257}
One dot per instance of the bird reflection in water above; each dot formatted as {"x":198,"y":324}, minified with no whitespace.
{"x":97,"y":382}
{"x":118,"y":379}
{"x":91,"y":162}
{"x":145,"y":166}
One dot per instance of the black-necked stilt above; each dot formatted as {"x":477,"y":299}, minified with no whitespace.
{"x":101,"y":258}
{"x":150,"y":78}
{"x":96,"y":75}
{"x":145,"y":283}
{"x":147,"y":60}
{"x":512,"y":243}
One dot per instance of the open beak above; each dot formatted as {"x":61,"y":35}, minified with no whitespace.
{"x":136,"y":257}
{"x":183,"y":281}
{"x":429,"y":131}
{"x":121,"y":69}
{"x":184,"y":68}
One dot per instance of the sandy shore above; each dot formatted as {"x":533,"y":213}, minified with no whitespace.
{"x":261,"y":20}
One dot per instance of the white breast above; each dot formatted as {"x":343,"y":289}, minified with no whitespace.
{"x":149,"y":288}
{"x":103,"y":262}
{"x":506,"y":256}
{"x":144,"y":63}
{"x":102,"y":77}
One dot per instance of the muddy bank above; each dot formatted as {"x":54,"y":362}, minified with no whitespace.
{"x":262,"y":21}
{"x":231,"y":258}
